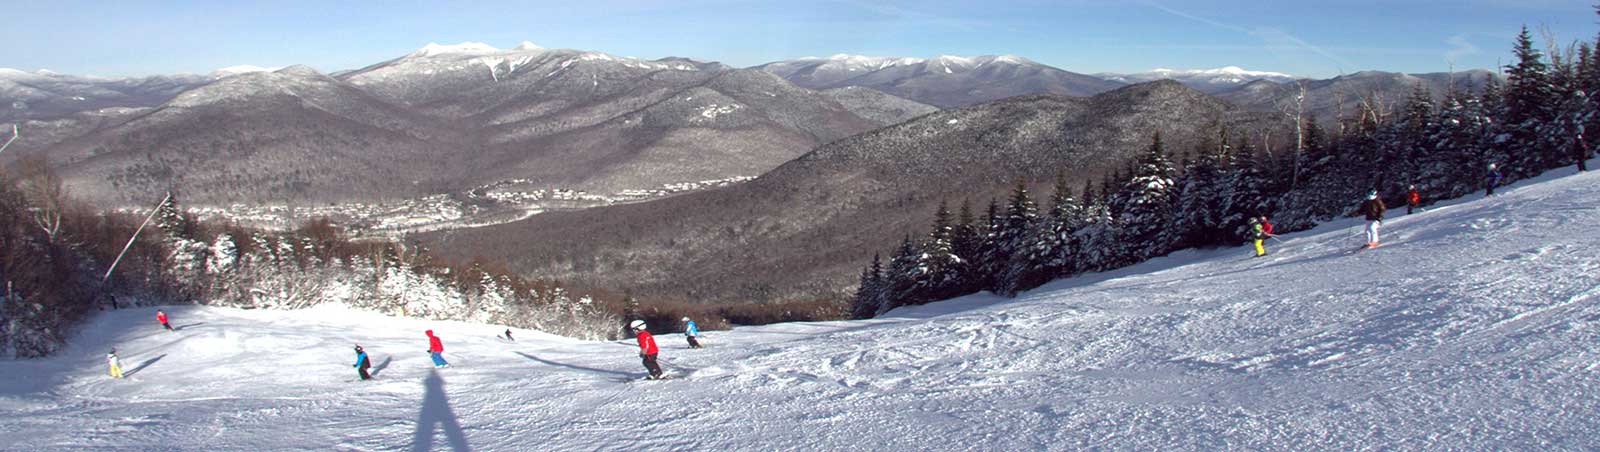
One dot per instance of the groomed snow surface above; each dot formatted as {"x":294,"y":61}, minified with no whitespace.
{"x":1474,"y":327}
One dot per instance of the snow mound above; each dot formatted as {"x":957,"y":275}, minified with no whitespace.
{"x":1474,"y":327}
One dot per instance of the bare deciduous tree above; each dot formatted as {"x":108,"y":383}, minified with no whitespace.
{"x":1296,"y":112}
{"x":46,"y":198}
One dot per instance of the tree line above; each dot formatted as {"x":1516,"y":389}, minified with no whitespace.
{"x":1442,"y":145}
{"x":54,"y":256}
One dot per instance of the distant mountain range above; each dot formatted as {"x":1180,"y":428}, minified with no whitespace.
{"x":447,"y":118}
{"x":443,"y":119}
{"x":803,"y":230}
{"x":1332,"y":98}
{"x":1205,"y":80}
{"x":944,"y":81}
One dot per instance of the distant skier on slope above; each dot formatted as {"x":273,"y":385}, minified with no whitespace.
{"x":1582,"y":150}
{"x":1412,"y":199}
{"x":113,"y":365}
{"x":362,"y":363}
{"x":1491,"y":180}
{"x":436,"y":350}
{"x":162,"y":317}
{"x":1373,"y":208}
{"x":692,"y":332}
{"x":647,"y":348}
{"x":508,"y":335}
{"x":1259,"y":233}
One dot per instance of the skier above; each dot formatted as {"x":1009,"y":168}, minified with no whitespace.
{"x":1373,"y":208}
{"x":436,"y":350}
{"x":1581,"y":150}
{"x":1258,"y":233}
{"x":1491,"y":179}
{"x":162,"y":317}
{"x":508,"y":335}
{"x":1412,"y":199}
{"x":113,"y":365}
{"x":692,"y":332}
{"x":362,"y":363}
{"x":647,"y":348}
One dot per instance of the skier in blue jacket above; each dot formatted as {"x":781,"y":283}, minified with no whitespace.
{"x":690,"y":331}
{"x":362,"y":363}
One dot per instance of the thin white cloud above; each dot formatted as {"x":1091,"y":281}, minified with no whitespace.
{"x":1274,"y":38}
{"x":1460,"y":46}
{"x":919,"y":16}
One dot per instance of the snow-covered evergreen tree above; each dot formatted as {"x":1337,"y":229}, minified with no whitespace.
{"x":1147,"y":206}
{"x":1529,"y":101}
{"x":901,"y":277}
{"x":1052,"y":250}
{"x":939,"y":268}
{"x":1011,"y":239}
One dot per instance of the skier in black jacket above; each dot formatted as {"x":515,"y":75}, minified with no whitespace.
{"x":1373,"y":208}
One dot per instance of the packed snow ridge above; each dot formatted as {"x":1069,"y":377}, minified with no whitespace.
{"x":1475,"y":326}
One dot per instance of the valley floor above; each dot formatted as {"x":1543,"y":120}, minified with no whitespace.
{"x":1476,"y":326}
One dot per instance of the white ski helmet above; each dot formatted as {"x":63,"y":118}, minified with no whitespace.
{"x":636,"y":324}
{"x":685,"y":319}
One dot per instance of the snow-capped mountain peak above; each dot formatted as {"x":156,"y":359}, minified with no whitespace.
{"x":1210,"y":80}
{"x":465,"y":48}
{"x":240,"y":69}
{"x":14,"y":73}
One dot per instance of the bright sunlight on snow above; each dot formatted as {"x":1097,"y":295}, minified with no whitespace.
{"x":1475,"y":327}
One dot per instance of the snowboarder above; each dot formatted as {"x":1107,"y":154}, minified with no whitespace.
{"x":692,"y":332}
{"x":436,"y":350}
{"x":647,"y":348}
{"x":1491,"y":180}
{"x":162,"y":317}
{"x":508,"y":335}
{"x":113,"y":365}
{"x":1412,"y":199}
{"x":362,"y":363}
{"x":1258,"y":233}
{"x":1373,"y":208}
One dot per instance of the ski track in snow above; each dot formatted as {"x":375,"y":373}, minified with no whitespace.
{"x":1473,"y":327}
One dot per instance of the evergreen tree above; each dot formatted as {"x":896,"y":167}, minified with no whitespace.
{"x":1146,"y":206}
{"x":1200,"y":196}
{"x":967,"y":243}
{"x":900,"y":280}
{"x":170,"y":219}
{"x":939,"y":268}
{"x":1529,"y":98}
{"x":865,"y":303}
{"x":1012,"y":238}
{"x":1051,"y":249}
{"x":1242,"y":195}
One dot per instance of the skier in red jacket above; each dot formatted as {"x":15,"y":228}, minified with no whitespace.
{"x":162,"y":317}
{"x":1412,"y":199}
{"x":435,"y":349}
{"x":647,"y":348}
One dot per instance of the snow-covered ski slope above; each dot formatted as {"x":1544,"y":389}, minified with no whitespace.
{"x":1475,"y":327}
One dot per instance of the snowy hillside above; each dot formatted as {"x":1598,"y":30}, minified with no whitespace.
{"x":1476,"y":326}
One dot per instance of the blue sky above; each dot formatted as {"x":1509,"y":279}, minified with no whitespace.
{"x":1310,"y":38}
